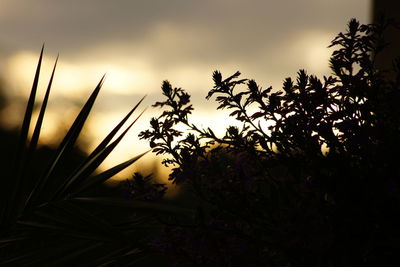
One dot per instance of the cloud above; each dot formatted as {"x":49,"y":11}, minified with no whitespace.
{"x":236,"y":26}
{"x":144,"y":42}
{"x":141,"y":43}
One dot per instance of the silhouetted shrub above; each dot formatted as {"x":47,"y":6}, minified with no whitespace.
{"x":143,"y":188}
{"x":310,"y":179}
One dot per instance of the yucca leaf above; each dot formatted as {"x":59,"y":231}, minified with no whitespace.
{"x":96,"y":157}
{"x":39,"y":122}
{"x":67,"y":258}
{"x":45,"y":228}
{"x":69,"y":254}
{"x":21,"y":150}
{"x":136,"y":205}
{"x":17,"y":260}
{"x":43,"y":225}
{"x":89,"y":220}
{"x":12,"y":239}
{"x":111,"y":245}
{"x":55,"y":217}
{"x":18,"y":234}
{"x":38,"y":255}
{"x":70,"y":216}
{"x":8,"y":206}
{"x":36,"y":132}
{"x":108,"y":138}
{"x":126,"y":259}
{"x":104,"y":176}
{"x":132,"y":222}
{"x":74,"y":131}
{"x":108,"y":258}
{"x":68,"y":141}
{"x":51,"y":255}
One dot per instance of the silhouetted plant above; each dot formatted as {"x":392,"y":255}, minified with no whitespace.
{"x":62,"y":218}
{"x":143,"y":188}
{"x":310,"y":179}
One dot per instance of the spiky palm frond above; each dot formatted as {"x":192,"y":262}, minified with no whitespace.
{"x":51,"y":219}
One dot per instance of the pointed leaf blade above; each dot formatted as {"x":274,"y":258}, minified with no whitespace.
{"x":93,"y":161}
{"x":136,"y":204}
{"x":68,"y":141}
{"x":8,"y":208}
{"x":104,"y":176}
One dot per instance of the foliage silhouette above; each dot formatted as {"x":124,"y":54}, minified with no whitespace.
{"x":310,"y":179}
{"x":62,"y":216}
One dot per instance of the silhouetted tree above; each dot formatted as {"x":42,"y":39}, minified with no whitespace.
{"x":310,"y":179}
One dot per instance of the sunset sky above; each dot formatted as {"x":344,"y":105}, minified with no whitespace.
{"x":141,"y":43}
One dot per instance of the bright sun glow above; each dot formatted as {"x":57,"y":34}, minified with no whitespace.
{"x":73,"y":79}
{"x":311,"y":52}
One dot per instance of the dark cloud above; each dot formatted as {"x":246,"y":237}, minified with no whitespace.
{"x":236,"y":26}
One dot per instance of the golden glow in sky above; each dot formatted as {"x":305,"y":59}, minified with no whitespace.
{"x":138,"y":45}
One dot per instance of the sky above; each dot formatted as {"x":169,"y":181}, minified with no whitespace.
{"x":141,"y":43}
